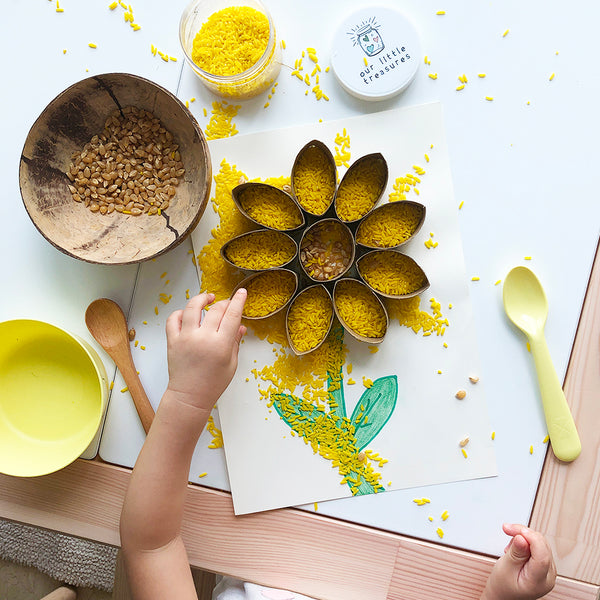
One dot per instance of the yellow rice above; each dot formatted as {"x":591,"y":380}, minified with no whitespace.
{"x":268,"y":292}
{"x":360,"y":189}
{"x":261,"y":250}
{"x":270,"y":207}
{"x":314,"y":180}
{"x":390,"y":225}
{"x":309,"y":318}
{"x":392,"y":273}
{"x":359,"y":309}
{"x":231,"y":41}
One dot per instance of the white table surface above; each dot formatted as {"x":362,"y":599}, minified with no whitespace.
{"x":519,"y":168}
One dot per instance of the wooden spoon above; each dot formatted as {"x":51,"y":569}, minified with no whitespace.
{"x":106,"y":322}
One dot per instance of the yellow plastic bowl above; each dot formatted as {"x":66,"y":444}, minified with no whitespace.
{"x":53,"y":390}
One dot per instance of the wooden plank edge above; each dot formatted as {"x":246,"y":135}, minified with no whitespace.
{"x":567,"y":504}
{"x":288,"y":548}
{"x":428,"y":571}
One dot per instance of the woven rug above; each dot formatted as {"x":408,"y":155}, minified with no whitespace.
{"x":71,"y":560}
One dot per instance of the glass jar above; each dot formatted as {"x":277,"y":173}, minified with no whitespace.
{"x":251,"y":82}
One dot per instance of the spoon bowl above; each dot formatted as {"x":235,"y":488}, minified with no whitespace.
{"x":526,"y":306}
{"x":106,"y":322}
{"x":525,"y":301}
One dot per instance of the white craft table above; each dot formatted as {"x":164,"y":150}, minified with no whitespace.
{"x":524,"y":165}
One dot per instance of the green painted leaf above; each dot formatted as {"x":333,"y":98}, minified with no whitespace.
{"x":374,"y":409}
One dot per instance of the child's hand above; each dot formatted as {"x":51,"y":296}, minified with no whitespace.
{"x":526,"y":571}
{"x":203,"y":356}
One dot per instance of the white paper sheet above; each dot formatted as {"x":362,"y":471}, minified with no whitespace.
{"x":268,"y":468}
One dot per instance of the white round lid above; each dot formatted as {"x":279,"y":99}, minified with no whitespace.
{"x":375,"y":53}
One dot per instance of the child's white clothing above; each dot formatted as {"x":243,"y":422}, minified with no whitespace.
{"x":228,"y":588}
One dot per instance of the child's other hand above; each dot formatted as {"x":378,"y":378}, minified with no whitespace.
{"x":526,"y":571}
{"x":202,"y":357}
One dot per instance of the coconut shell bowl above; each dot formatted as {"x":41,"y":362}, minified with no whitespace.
{"x":87,"y":227}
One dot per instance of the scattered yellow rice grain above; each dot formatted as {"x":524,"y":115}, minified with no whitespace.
{"x":464,"y":452}
{"x":389,"y":225}
{"x":368,"y":383}
{"x":481,"y":75}
{"x":421,"y":501}
{"x":426,"y":60}
{"x":426,"y":157}
{"x":527,"y":258}
{"x":113,"y":5}
{"x":359,"y":309}
{"x":350,"y":381}
{"x":440,"y":532}
{"x":489,"y":98}
{"x":309,"y":318}
{"x":112,"y":385}
{"x":391,"y":273}
{"x":445,"y":515}
{"x":125,"y":389}
{"x":493,"y":435}
{"x":373,"y":349}
{"x":460,"y":87}
{"x":461,"y":204}
{"x":283,"y":44}
{"x":474,"y":278}
{"x":220,"y":124}
{"x":92,"y":45}
{"x":268,"y":292}
{"x":530,"y":449}
{"x":498,"y":282}
{"x":65,"y":51}
{"x":142,"y":347}
{"x":266,"y":104}
{"x":433,"y":75}
{"x":349,"y":368}
{"x":366,"y":61}
{"x":505,"y":33}
{"x":440,"y":12}
{"x":545,"y":440}
{"x":528,"y":347}
{"x":156,"y":310}
{"x":202,"y":475}
{"x":231,"y":40}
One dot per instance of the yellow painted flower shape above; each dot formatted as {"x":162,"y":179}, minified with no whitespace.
{"x":342,"y":246}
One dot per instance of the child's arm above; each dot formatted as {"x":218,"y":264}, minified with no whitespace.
{"x":202,"y":360}
{"x":526,"y":571}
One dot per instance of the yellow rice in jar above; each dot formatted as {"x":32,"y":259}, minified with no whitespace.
{"x":260,"y":250}
{"x":231,"y":41}
{"x":314,"y":180}
{"x":392,"y":273}
{"x":268,"y":292}
{"x":389,"y":225}
{"x":359,"y":309}
{"x":270,"y":207}
{"x":360,"y":188}
{"x":309,"y":318}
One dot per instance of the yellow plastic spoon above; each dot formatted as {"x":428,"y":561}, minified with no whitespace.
{"x":526,"y":305}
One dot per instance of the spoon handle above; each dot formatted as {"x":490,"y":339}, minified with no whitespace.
{"x":559,"y":420}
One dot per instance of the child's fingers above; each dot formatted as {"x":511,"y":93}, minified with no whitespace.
{"x":213,"y":317}
{"x":192,"y":313}
{"x":230,"y":323}
{"x":541,"y":554}
{"x":173,"y":326}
